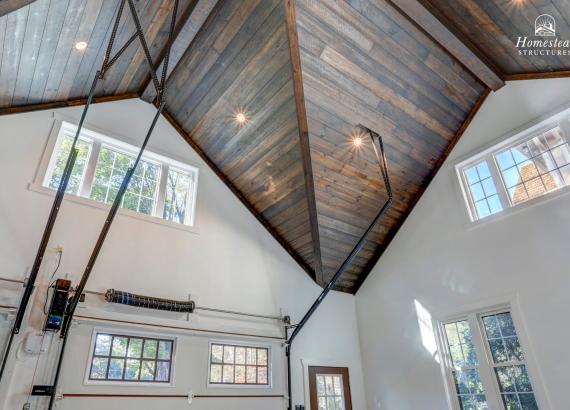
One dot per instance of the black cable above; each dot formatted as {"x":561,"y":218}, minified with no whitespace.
{"x":52,"y":281}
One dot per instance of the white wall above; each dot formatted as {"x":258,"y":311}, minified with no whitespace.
{"x":438,"y":260}
{"x":232,"y":263}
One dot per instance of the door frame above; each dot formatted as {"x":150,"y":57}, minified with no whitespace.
{"x":343,"y":371}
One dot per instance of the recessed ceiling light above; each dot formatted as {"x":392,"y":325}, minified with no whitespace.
{"x":357,"y":141}
{"x":240,"y":117}
{"x":82,"y":45}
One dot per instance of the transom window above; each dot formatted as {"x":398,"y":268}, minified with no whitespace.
{"x":160,"y":187}
{"x":484,"y":356}
{"x":131,"y":359}
{"x":239,"y":365}
{"x":526,"y":166}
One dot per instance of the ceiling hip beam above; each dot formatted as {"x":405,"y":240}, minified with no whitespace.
{"x":436,"y":29}
{"x":304,"y":137}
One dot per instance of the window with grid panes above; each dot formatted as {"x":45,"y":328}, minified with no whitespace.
{"x":465,"y":366}
{"x":508,"y":362}
{"x":485,"y":363}
{"x":239,"y":365}
{"x":160,"y":186}
{"x":536,"y":166}
{"x":524,"y":167}
{"x":483,"y":190}
{"x":330,"y":392}
{"x":131,"y":359}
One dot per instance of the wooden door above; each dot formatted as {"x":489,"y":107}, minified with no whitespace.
{"x":329,"y":388}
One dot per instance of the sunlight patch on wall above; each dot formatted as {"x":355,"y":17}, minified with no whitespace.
{"x":426,"y":330}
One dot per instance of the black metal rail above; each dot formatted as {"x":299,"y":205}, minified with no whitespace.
{"x":159,"y":86}
{"x":381,"y":157}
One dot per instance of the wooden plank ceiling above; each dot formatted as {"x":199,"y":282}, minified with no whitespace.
{"x":306,"y":73}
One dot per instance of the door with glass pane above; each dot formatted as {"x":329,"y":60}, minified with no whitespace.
{"x":329,"y":388}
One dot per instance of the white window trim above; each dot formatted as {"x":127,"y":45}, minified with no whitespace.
{"x":241,"y":343}
{"x":559,"y":117}
{"x":90,"y":132}
{"x":122,"y":383}
{"x":472,"y":313}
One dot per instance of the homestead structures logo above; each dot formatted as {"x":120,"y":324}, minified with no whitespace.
{"x":545,"y":26}
{"x":544,"y":42}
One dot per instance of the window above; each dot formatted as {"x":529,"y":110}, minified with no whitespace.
{"x":124,"y":358}
{"x":508,"y":362}
{"x":486,"y":364}
{"x":239,"y":365}
{"x":482,"y":189}
{"x":160,"y":187}
{"x":536,"y":166}
{"x":78,"y":173}
{"x":329,"y":388}
{"x":525,"y":166}
{"x":465,"y":367}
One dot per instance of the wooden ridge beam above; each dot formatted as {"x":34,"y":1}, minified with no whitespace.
{"x":187,"y":27}
{"x":393,"y":232}
{"x":188,"y":138}
{"x":8,"y":6}
{"x":436,"y":29}
{"x":67,"y":103}
{"x":304,"y":137}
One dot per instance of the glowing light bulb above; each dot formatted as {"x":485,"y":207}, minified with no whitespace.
{"x":82,"y":45}
{"x":357,"y":141}
{"x":241,"y":117}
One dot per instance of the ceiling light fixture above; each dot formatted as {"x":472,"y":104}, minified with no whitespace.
{"x":357,"y":141}
{"x":240,"y":117}
{"x":82,"y":45}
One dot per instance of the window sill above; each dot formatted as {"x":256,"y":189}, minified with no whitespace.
{"x":35,"y":187}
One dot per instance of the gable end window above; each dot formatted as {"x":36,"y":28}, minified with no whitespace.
{"x":527,"y":166}
{"x":160,"y":187}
